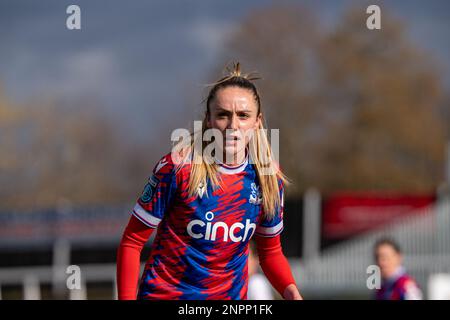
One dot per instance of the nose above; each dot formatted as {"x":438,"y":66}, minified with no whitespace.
{"x":233,"y":123}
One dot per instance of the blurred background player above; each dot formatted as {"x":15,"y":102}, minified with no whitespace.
{"x":396,"y":283}
{"x":258,"y":286}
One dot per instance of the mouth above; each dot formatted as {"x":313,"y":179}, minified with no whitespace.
{"x":231,"y":141}
{"x":232,"y":138}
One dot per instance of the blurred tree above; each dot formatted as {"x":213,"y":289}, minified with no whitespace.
{"x":51,"y":155}
{"x":356,"y":108}
{"x":393,"y":137}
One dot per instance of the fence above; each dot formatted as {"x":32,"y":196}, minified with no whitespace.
{"x":339,"y":270}
{"x":425,"y":242}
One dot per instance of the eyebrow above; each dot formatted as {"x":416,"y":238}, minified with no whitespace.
{"x":220,"y":109}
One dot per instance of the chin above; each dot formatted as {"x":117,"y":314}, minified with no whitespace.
{"x":230,"y":150}
{"x":385,"y":274}
{"x":234,"y":149}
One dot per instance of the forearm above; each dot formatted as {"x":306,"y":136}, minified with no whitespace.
{"x":274,"y":264}
{"x":128,"y":258}
{"x":128,"y":268}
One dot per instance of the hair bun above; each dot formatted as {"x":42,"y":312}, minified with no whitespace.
{"x":234,"y":71}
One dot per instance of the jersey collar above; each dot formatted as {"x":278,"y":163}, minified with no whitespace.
{"x":227,"y":169}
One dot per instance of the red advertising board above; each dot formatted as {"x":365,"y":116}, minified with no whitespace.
{"x":348,"y":214}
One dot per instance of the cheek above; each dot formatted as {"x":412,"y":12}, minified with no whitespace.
{"x":218,"y":124}
{"x":246,"y":125}
{"x":390,"y":262}
{"x":249,"y":129}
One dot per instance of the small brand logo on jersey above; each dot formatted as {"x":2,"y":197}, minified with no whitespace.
{"x":149,"y":189}
{"x":255,"y":197}
{"x":198,"y":229}
{"x":160,"y":164}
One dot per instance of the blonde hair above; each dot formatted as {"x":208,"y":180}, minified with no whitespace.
{"x":260,"y":151}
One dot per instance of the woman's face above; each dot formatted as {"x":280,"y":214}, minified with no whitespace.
{"x":388,"y":260}
{"x":234,"y":112}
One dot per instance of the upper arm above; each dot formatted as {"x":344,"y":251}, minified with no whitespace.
{"x":273,"y":227}
{"x":157,"y":194}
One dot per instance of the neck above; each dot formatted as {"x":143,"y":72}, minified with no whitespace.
{"x":395,"y":273}
{"x":235,"y":159}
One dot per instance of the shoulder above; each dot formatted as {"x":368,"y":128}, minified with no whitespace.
{"x":165,"y":168}
{"x":171,"y":161}
{"x":405,"y":280}
{"x":164,"y":165}
{"x":273,"y":170}
{"x":279,"y":174}
{"x":409,"y":287}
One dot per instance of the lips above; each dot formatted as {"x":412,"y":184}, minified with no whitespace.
{"x":232,"y":138}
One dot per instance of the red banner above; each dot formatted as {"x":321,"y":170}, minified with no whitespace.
{"x":348,"y":214}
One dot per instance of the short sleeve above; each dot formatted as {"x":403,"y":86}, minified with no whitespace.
{"x":157,"y":193}
{"x":273,"y":227}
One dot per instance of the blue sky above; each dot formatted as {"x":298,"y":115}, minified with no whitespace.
{"x":145,"y":62}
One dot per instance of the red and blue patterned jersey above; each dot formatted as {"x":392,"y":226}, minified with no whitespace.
{"x":200,"y":250}
{"x":401,"y":286}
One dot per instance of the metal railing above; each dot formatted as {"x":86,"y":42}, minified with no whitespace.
{"x":32,"y":278}
{"x":341,"y":269}
{"x":424,"y":239}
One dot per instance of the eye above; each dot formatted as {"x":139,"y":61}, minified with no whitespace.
{"x":222,"y":115}
{"x":244,"y":115}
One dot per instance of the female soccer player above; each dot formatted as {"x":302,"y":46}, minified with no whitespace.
{"x":396,"y":283}
{"x":206,"y":204}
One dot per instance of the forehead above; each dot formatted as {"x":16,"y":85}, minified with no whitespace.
{"x":385,"y":249}
{"x":234,"y":97}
